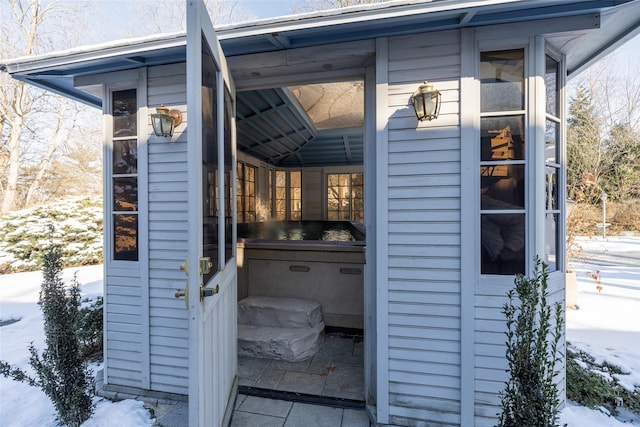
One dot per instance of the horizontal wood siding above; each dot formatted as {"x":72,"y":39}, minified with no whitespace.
{"x":123,"y":327}
{"x":168,"y":322}
{"x":424,"y":234}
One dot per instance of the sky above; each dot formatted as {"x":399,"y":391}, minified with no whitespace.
{"x":268,"y":8}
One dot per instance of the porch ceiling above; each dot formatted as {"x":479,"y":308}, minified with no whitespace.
{"x":315,"y":125}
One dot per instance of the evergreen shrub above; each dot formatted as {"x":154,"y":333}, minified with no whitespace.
{"x":61,"y":371}
{"x":534,"y":331}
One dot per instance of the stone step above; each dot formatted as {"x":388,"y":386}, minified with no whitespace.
{"x":289,"y":344}
{"x":279,"y":312}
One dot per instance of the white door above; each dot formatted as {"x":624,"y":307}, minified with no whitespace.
{"x":212,"y":296}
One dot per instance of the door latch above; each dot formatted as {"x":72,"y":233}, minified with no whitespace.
{"x":205,"y":265}
{"x":208,"y":292}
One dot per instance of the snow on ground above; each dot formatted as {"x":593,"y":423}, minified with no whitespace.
{"x":606,"y":326}
{"x":22,"y":405}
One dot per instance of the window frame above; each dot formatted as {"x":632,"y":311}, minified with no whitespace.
{"x":528,"y":153}
{"x":108,"y":186}
{"x":326,"y":186}
{"x":536,"y":49}
{"x":243,"y":195}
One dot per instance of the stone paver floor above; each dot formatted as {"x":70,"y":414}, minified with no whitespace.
{"x":336,"y":371}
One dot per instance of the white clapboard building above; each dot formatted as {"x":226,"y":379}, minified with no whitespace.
{"x":309,"y":120}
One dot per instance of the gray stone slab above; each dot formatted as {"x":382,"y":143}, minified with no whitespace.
{"x":353,"y":418}
{"x":320,"y":364}
{"x":346,"y":378}
{"x":279,"y":312}
{"x":283,"y":365}
{"x":265,"y":406}
{"x":251,"y":367}
{"x":270,"y":378}
{"x":304,"y":415}
{"x":302,"y":382}
{"x":247,"y":419}
{"x":290,"y":344}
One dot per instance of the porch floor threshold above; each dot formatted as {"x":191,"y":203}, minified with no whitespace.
{"x":290,"y":396}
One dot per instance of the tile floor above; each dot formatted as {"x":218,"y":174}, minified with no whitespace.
{"x":252,"y":411}
{"x":336,"y":371}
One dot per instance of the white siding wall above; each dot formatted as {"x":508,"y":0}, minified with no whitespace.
{"x":424,"y":234}
{"x":168,"y":322}
{"x":123,"y":343}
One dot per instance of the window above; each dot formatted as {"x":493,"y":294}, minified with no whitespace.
{"x":345,"y":197}
{"x":295,"y":195}
{"x":502,"y":162}
{"x":287,"y":194}
{"x":281,"y":195}
{"x":552,"y":162}
{"x":124,"y":175}
{"x":246,"y":192}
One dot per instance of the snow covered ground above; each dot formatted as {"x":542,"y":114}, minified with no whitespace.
{"x":606,"y":326}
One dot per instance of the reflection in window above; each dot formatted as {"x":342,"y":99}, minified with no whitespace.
{"x":295,"y":191}
{"x":502,"y":162}
{"x":552,"y":163}
{"x":124,"y":172}
{"x":210,"y":193}
{"x":228,"y":177}
{"x":125,"y":237}
{"x":345,"y":197}
{"x":281,"y":195}
{"x":124,"y":111}
{"x":502,"y":80}
{"x":246,"y":192}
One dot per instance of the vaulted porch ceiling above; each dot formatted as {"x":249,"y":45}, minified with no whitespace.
{"x":311,"y":125}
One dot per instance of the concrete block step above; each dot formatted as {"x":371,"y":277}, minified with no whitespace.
{"x":289,"y":344}
{"x":279,"y":312}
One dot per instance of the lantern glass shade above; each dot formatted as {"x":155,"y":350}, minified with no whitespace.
{"x":426,"y":102}
{"x":165,"y":120}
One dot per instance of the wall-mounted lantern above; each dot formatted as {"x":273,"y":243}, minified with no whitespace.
{"x":426,"y":102}
{"x":165,"y":121}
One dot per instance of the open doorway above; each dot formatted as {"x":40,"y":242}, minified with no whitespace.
{"x":301,"y":237}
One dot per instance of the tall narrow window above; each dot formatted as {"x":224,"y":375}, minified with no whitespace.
{"x":228,"y":175}
{"x":552,"y":162}
{"x":345,"y":196}
{"x":281,"y":195}
{"x":124,"y":172}
{"x":502,"y":162}
{"x":210,"y":162}
{"x":295,"y":195}
{"x":246,"y":192}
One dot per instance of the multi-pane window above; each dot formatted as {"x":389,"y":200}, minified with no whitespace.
{"x":124,"y":175}
{"x":502,"y":161}
{"x":287,"y":194}
{"x":246,"y":192}
{"x":295,"y":195}
{"x":345,"y":196}
{"x":552,"y":162}
{"x":281,"y":195}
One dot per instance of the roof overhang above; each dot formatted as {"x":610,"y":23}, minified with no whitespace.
{"x":616,"y":22}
